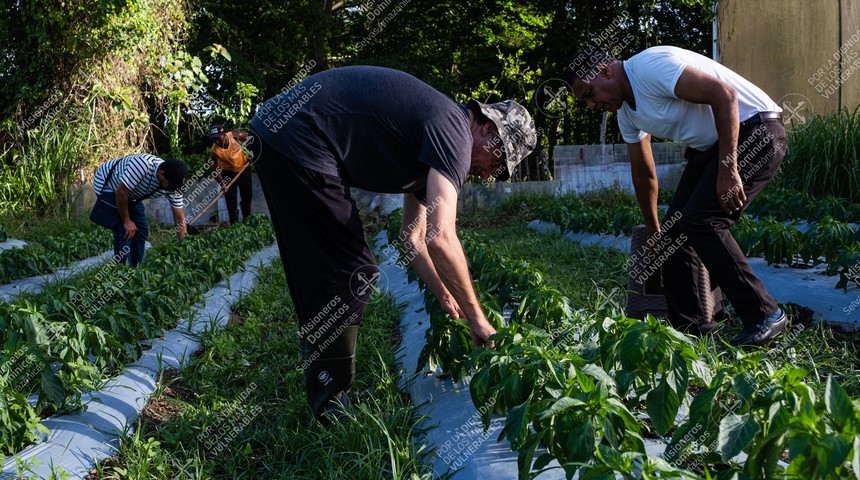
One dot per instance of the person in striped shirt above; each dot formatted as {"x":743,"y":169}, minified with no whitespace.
{"x":132,"y":179}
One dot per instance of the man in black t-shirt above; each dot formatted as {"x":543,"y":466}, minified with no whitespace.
{"x":385,"y":131}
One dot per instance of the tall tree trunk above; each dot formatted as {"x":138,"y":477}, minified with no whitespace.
{"x":320,"y":34}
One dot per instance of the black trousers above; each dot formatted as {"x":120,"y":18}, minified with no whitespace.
{"x":241,"y":185}
{"x":329,"y":266}
{"x":703,"y":229}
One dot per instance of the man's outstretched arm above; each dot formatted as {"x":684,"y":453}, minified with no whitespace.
{"x":414,"y":235}
{"x":645,"y":184}
{"x":448,"y":257}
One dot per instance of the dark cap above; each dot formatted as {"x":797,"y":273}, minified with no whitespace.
{"x":215,"y":131}
{"x":516,"y":129}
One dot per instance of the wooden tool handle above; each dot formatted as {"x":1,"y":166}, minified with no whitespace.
{"x":212,"y":202}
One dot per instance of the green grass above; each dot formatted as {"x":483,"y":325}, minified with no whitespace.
{"x":824,"y":156}
{"x":34,"y":228}
{"x":590,"y":276}
{"x":380,"y":438}
{"x":40,"y":171}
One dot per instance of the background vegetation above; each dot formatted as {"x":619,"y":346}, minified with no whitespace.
{"x":89,"y":80}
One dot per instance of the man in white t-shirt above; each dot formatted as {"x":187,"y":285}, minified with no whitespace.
{"x":735,"y":141}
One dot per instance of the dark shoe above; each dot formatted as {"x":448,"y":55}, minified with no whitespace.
{"x":762,"y":333}
{"x":329,"y":373}
{"x":328,"y":381}
{"x":705,"y":328}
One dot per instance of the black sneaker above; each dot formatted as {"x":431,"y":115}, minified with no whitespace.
{"x":706,"y":328}
{"x":762,"y":333}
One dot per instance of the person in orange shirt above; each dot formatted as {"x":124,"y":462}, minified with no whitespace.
{"x":229,"y":159}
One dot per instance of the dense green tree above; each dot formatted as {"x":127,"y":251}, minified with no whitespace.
{"x":491,"y":49}
{"x":149,"y":75}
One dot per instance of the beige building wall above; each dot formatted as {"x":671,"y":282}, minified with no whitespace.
{"x":791,"y":49}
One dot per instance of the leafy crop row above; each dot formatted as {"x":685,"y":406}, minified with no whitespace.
{"x":67,"y":339}
{"x":52,"y":253}
{"x":573,"y":214}
{"x":827,"y":240}
{"x":785,"y":204}
{"x":779,"y":203}
{"x":589,"y":386}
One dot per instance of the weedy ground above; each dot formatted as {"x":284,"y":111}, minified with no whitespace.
{"x":248,"y":377}
{"x":33,"y":228}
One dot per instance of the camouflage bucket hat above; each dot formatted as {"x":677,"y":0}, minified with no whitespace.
{"x":516,"y":129}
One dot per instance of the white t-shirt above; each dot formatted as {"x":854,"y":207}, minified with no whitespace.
{"x":653,"y":74}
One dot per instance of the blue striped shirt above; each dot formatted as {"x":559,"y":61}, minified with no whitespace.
{"x":138,"y":173}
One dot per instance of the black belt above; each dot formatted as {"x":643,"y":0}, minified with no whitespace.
{"x":760,"y":117}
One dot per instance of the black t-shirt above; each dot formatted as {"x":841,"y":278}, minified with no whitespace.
{"x":379,"y":129}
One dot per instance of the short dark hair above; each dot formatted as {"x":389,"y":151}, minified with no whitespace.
{"x":583,"y":65}
{"x":175,"y":172}
{"x":479,"y":115}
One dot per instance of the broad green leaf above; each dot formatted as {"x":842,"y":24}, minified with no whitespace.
{"x":478,"y":389}
{"x":52,"y":387}
{"x":631,"y":350}
{"x":702,"y":404}
{"x":561,"y":405}
{"x":662,"y":406}
{"x":620,"y":409}
{"x":512,"y":389}
{"x":526,"y":454}
{"x":777,"y":416}
{"x":798,"y":443}
{"x":838,"y":403}
{"x":624,"y":379}
{"x":35,"y":328}
{"x":660,"y":465}
{"x":764,"y":457}
{"x":736,"y":432}
{"x":577,"y":439}
{"x":664,"y":401}
{"x":830,"y":452}
{"x":516,"y":425}
{"x":612,"y":458}
{"x":598,"y":374}
{"x":744,"y":386}
{"x":542,"y":461}
{"x":586,"y":384}
{"x":677,"y":377}
{"x":689,"y":434}
{"x":731,"y":474}
{"x":614,"y":430}
{"x":702,"y":371}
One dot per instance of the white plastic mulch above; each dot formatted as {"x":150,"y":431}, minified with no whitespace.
{"x":12,"y":243}
{"x":78,"y":441}
{"x":35,"y":284}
